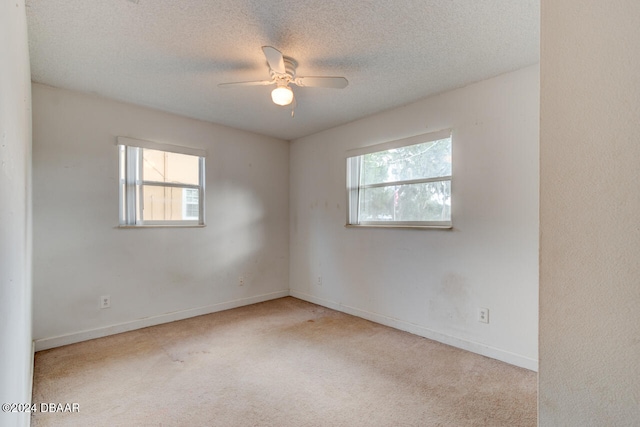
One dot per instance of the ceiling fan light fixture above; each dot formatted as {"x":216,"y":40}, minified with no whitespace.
{"x":282,"y":95}
{"x":282,"y":70}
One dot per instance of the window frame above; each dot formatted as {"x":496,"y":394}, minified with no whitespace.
{"x":131,"y":183}
{"x":353,"y":169}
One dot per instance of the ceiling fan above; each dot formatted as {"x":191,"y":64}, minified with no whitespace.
{"x":283,"y":74}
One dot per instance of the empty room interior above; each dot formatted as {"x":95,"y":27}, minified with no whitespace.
{"x":319,"y":213}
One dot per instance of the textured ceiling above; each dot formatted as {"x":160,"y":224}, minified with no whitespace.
{"x":171,"y":55}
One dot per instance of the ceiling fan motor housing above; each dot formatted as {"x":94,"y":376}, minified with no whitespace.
{"x":289,"y":75}
{"x":290,"y":66}
{"x":282,"y":70}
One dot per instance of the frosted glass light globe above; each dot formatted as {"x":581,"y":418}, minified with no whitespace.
{"x":282,"y":95}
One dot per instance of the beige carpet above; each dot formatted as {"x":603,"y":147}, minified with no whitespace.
{"x":279,"y":363}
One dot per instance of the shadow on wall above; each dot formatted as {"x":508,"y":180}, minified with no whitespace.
{"x":239,"y":219}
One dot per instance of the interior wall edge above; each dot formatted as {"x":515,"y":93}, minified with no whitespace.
{"x":16,"y":309}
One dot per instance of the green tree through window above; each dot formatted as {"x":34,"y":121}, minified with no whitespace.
{"x":404,"y":185}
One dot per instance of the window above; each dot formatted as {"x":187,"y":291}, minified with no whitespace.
{"x":160,"y":184}
{"x":405,"y":183}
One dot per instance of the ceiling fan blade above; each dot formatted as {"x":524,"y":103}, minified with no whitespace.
{"x":332,"y":82}
{"x":274,"y":58}
{"x":254,"y":83}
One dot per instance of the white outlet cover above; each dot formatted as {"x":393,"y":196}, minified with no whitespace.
{"x":483,"y":315}
{"x":105,"y":301}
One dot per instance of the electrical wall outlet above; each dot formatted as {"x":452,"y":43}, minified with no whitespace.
{"x":319,"y":281}
{"x":483,"y":315}
{"x":105,"y":301}
{"x":241,"y":281}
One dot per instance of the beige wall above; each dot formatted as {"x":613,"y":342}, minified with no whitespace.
{"x":153,"y":275}
{"x":15,"y":213}
{"x":432,"y":282}
{"x":589,"y":216}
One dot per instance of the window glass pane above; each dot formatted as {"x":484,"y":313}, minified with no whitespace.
{"x":190,"y":206}
{"x":164,"y":166}
{"x":191,"y":211}
{"x":169,"y":204}
{"x":426,"y":160}
{"x":429,"y":201}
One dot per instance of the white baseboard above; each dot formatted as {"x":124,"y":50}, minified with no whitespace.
{"x":475,"y":347}
{"x":47,"y":343}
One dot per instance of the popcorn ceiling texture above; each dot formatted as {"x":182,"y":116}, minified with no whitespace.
{"x":171,"y":55}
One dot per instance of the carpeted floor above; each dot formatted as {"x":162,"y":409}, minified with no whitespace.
{"x":280,"y":363}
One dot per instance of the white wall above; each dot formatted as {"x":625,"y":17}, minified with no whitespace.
{"x":590,"y":211}
{"x":15,"y":212}
{"x":431,"y":282}
{"x":157,"y":274}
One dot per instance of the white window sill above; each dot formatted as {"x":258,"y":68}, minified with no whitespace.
{"x":402,"y":226}
{"x":163,"y":226}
